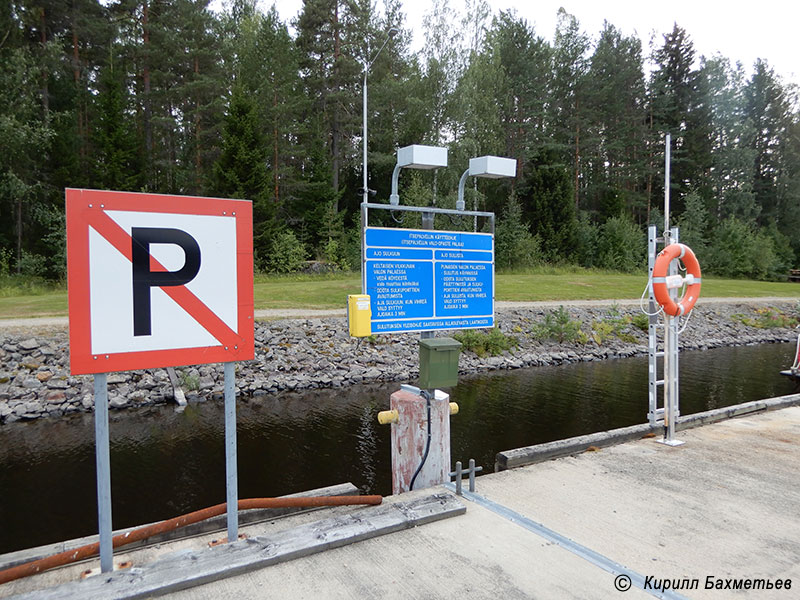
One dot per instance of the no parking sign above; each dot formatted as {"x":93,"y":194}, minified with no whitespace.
{"x":157,"y":280}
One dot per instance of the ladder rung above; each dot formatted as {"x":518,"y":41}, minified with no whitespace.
{"x":659,"y":382}
{"x":658,"y":354}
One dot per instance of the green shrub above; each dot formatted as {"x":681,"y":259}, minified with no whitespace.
{"x":602,"y":331}
{"x":189,"y":381}
{"x":768,"y":318}
{"x":33,"y":265}
{"x":641,"y":321}
{"x":287,"y":254}
{"x":560,"y":327}
{"x":738,"y":251}
{"x":515,"y":247}
{"x":621,"y":245}
{"x":586,"y":236}
{"x":481,"y":343}
{"x":616,"y":326}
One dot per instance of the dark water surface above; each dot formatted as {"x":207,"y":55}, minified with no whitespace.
{"x":165,"y":463}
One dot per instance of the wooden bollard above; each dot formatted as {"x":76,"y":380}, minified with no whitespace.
{"x":409,"y":437}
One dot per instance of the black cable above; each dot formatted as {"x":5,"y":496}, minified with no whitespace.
{"x":427,"y":397}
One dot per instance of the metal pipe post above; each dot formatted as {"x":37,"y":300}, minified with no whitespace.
{"x":666,"y":188}
{"x":231,"y":475}
{"x":103,"y":461}
{"x":460,"y":203}
{"x":394,"y":197}
{"x":364,"y":165}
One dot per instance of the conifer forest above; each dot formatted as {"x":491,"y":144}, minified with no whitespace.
{"x":229,"y":100}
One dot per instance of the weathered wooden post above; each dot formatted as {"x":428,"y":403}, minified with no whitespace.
{"x":409,"y":418}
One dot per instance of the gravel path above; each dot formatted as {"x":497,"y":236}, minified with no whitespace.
{"x":310,"y":313}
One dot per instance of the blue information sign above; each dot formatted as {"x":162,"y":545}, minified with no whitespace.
{"x":422,"y":280}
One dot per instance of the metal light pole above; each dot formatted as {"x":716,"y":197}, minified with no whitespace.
{"x":367,"y":65}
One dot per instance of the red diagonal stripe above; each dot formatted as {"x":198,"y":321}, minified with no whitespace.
{"x":119,"y":238}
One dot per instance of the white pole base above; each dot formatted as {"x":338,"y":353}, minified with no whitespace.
{"x":671,"y":442}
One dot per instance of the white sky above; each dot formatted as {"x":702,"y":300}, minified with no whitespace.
{"x":741,"y":31}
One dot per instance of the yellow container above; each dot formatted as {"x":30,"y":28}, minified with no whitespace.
{"x":359,"y":315}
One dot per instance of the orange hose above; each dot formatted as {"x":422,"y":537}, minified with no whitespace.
{"x":89,"y":550}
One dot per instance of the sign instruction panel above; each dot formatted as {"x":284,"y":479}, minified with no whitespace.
{"x":158,"y":281}
{"x":423,"y":280}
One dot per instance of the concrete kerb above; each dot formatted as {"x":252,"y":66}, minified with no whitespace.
{"x":529,"y":455}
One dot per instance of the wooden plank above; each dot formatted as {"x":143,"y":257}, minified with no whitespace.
{"x":528,"y":455}
{"x":190,"y":568}
{"x":247,"y":517}
{"x":177,"y":392}
{"x":519,"y":457}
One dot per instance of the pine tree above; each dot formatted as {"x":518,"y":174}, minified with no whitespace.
{"x":241,"y":172}
{"x":547,"y":197}
{"x":117,"y":161}
{"x":525,"y":61}
{"x":679,"y":97}
{"x":568,"y":115}
{"x":267,"y":67}
{"x":616,"y":154}
{"x":733,"y":154}
{"x":769,"y":113}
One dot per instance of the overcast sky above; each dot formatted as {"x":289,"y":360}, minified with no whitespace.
{"x":741,"y":31}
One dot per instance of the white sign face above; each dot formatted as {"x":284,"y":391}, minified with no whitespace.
{"x":158,"y":280}
{"x":111,"y":285}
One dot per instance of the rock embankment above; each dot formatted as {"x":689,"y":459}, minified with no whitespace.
{"x":298,"y":354}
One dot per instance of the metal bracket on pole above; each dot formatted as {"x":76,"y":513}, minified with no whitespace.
{"x":103,"y":462}
{"x":231,"y":476}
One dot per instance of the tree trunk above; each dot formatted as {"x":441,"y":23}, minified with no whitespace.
{"x":76,"y":75}
{"x":19,"y":235}
{"x":45,"y":86}
{"x":197,"y":125}
{"x":275,"y":145}
{"x":148,"y":128}
{"x":336,"y":133}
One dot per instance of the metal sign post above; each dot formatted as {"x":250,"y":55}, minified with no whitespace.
{"x":103,"y":462}
{"x":231,"y":476}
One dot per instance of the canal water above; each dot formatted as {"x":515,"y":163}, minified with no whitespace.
{"x":165,"y":463}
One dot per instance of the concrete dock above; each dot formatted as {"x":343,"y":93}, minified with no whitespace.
{"x":718,"y":517}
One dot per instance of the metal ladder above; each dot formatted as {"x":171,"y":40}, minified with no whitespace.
{"x":655,"y":413}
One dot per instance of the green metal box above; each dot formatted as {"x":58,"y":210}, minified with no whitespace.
{"x":438,"y":362}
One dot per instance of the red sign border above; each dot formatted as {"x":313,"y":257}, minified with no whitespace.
{"x":86,"y":206}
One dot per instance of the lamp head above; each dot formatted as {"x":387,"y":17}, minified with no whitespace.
{"x":421,"y":157}
{"x":492,"y":167}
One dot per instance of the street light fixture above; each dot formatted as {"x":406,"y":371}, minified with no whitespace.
{"x":489,"y":167}
{"x":416,"y":157}
{"x":389,"y":35}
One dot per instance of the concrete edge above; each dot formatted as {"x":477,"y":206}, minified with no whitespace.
{"x":519,"y":457}
{"x":249,"y":517}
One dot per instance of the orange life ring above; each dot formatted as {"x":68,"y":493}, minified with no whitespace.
{"x":660,"y":270}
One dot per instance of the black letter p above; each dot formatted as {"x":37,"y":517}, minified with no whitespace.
{"x":144,"y":278}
